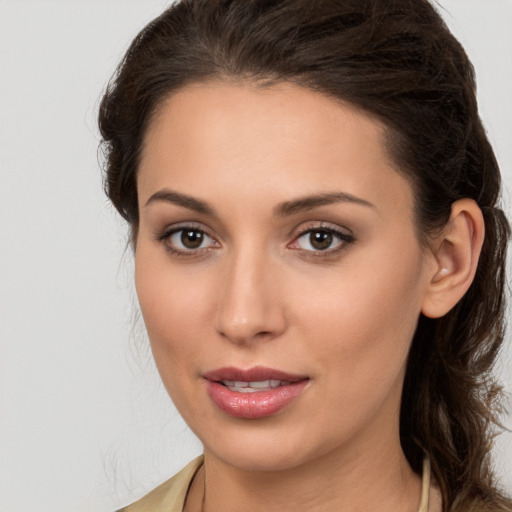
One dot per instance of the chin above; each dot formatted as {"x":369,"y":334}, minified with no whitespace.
{"x":263,"y":448}
{"x":259,"y":459}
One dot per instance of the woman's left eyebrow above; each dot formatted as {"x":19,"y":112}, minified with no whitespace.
{"x":316,"y":200}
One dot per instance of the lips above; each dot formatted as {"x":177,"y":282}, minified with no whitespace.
{"x":254,"y":393}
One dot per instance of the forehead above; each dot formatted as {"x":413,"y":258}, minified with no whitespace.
{"x":234,"y":111}
{"x":277,"y":141}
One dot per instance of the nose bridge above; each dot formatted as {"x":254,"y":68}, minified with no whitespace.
{"x":249,"y":305}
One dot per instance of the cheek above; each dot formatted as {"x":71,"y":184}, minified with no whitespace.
{"x":173,"y":305}
{"x":363,"y":319}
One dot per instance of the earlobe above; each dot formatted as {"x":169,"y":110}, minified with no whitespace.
{"x":455,"y":254}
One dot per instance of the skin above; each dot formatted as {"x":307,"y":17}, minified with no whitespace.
{"x":257,"y":292}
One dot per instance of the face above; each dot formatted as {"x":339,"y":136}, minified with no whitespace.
{"x":278,"y":272}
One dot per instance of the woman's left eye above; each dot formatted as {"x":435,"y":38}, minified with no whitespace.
{"x":321,"y":240}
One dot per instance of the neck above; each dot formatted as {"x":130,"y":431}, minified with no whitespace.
{"x":379,"y":479}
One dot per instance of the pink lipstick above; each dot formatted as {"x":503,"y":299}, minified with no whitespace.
{"x":254,"y":393}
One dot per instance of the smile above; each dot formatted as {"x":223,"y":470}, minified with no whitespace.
{"x":255,"y":393}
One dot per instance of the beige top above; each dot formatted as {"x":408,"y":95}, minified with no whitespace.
{"x":170,"y":496}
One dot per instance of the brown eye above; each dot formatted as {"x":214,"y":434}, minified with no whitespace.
{"x":320,"y":240}
{"x":189,"y":240}
{"x":192,"y":238}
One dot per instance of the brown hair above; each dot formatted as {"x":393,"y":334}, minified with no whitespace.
{"x":397,"y":60}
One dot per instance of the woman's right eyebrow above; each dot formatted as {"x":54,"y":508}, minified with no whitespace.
{"x":184,"y":200}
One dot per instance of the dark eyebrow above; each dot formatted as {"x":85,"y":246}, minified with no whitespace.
{"x":314,"y":201}
{"x":171,"y":196}
{"x":281,"y":210}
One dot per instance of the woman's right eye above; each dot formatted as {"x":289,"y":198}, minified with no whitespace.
{"x":187,"y":240}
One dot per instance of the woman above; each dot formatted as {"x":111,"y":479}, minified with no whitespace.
{"x":319,"y":252}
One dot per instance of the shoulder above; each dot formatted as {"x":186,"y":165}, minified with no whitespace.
{"x":169,"y":496}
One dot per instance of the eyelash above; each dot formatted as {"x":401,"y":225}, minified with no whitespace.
{"x":167,"y":234}
{"x":343,"y":238}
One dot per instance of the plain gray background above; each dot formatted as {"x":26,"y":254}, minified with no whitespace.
{"x":84,"y":422}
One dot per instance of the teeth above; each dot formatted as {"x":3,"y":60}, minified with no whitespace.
{"x":253,"y":386}
{"x":260,"y":384}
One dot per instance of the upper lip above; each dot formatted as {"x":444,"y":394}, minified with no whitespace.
{"x":255,"y":374}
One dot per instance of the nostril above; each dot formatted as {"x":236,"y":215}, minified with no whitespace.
{"x":246,"y":335}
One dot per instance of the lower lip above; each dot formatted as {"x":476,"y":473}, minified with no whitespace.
{"x":259,"y":404}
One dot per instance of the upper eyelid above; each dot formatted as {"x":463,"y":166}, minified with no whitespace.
{"x":179,"y":226}
{"x":305,"y":227}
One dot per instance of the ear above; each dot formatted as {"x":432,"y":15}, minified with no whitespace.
{"x":455,"y":253}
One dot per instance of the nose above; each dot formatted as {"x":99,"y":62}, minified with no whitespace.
{"x":250,"y":305}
